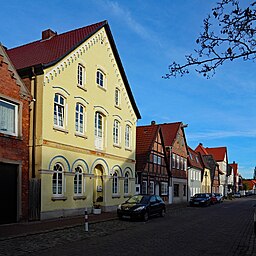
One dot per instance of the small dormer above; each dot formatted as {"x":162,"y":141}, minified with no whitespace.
{"x":48,"y":33}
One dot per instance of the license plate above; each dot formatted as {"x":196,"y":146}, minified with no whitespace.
{"x":196,"y":203}
{"x":126,"y":217}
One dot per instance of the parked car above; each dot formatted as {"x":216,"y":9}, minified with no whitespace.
{"x":213,"y":198}
{"x":219,"y":197}
{"x":141,"y":207}
{"x":237,"y":195}
{"x":200,"y":199}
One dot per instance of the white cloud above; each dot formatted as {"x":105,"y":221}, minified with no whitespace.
{"x":220,"y":134}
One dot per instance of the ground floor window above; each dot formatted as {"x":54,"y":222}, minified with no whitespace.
{"x":164,"y":188}
{"x":144,"y":187}
{"x":151,"y":188}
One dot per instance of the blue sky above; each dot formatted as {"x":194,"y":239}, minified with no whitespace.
{"x":150,"y":35}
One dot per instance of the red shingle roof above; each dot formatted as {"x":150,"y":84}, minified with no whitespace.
{"x":194,"y":159}
{"x":50,"y":50}
{"x":145,"y":136}
{"x":218,"y":153}
{"x":170,"y":132}
{"x":235,"y":168}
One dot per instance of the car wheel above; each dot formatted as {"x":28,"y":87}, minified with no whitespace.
{"x":145,"y":216}
{"x":162,"y":212}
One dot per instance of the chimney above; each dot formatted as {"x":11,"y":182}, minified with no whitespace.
{"x":234,"y":162}
{"x":48,"y":33}
{"x":201,"y":144}
{"x":153,"y":122}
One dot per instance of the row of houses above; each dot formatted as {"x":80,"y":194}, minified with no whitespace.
{"x":69,"y":137}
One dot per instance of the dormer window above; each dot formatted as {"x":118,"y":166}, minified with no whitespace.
{"x":100,"y":78}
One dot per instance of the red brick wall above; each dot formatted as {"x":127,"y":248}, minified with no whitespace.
{"x":16,"y":148}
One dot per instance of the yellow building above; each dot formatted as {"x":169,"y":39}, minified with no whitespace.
{"x":83,"y":130}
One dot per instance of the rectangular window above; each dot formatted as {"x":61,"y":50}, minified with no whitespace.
{"x":152,"y":188}
{"x":117,"y":97}
{"x":178,"y":162}
{"x":173,"y":160}
{"x":59,"y":104}
{"x":185,"y":164}
{"x":181,"y":163}
{"x":80,"y":75}
{"x":184,"y":190}
{"x":176,"y":190}
{"x":127,"y":136}
{"x":164,"y":188}
{"x":144,"y":187}
{"x":79,"y":122}
{"x":116,"y":132}
{"x":8,"y":118}
{"x":100,"y":78}
{"x":98,"y":130}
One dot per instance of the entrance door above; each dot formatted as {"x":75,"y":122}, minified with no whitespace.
{"x":98,"y":185}
{"x":8,"y":193}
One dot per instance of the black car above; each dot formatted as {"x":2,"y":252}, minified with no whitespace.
{"x":201,"y":199}
{"x":141,"y":207}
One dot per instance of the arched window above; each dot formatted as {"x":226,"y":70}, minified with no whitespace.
{"x":57,"y":180}
{"x":126,"y":183}
{"x":99,"y":130}
{"x":100,"y":78}
{"x":59,"y":110}
{"x":78,"y":180}
{"x":79,"y":122}
{"x":115,"y":183}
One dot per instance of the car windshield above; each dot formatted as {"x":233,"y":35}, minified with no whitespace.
{"x":200,"y":195}
{"x":139,"y":199}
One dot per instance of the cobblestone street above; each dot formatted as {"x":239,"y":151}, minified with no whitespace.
{"x":225,"y":229}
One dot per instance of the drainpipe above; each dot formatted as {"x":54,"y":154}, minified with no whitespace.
{"x":34,"y":125}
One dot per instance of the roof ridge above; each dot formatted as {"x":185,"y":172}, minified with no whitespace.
{"x":104,"y":22}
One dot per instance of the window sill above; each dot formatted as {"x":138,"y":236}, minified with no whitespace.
{"x":102,"y":88}
{"x":15,"y":137}
{"x":116,"y":196}
{"x":128,"y":149}
{"x":117,"y":146}
{"x":79,"y":197}
{"x":118,"y":107}
{"x":81,"y":135}
{"x":59,"y":198}
{"x":60,"y":129}
{"x":82,"y":88}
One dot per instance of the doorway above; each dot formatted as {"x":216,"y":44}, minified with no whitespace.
{"x":98,"y":187}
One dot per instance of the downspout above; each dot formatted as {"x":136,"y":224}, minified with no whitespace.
{"x":34,"y":125}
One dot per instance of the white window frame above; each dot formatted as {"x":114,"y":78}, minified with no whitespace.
{"x":164,"y":188}
{"x":99,"y":130}
{"x":80,"y":118}
{"x":144,"y":188}
{"x":178,"y":162}
{"x":100,"y":78}
{"x":5,"y":118}
{"x":116,"y":132}
{"x":115,"y":184}
{"x":58,"y":180}
{"x":59,"y":110}
{"x":80,"y":75}
{"x":126,"y":183}
{"x":78,"y":181}
{"x":173,"y":160}
{"x":152,"y":188}
{"x":128,"y":136}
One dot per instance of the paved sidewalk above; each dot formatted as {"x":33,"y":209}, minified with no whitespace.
{"x":8,"y":231}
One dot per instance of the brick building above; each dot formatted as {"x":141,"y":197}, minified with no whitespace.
{"x":14,"y":138}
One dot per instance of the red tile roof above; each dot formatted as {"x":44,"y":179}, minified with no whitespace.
{"x":145,"y":136}
{"x":235,"y":168}
{"x":200,"y":148}
{"x":194,"y":159}
{"x":169,"y":131}
{"x":50,"y":50}
{"x":218,"y":153}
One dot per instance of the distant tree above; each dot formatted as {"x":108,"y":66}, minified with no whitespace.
{"x":229,"y":33}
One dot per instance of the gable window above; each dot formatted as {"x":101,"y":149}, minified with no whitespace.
{"x":8,"y":118}
{"x":57,"y":180}
{"x":181,"y":163}
{"x":80,"y":75}
{"x":98,"y":130}
{"x":178,"y":162}
{"x":78,"y":181}
{"x":127,"y":136}
{"x":126,"y":183}
{"x":117,"y":97}
{"x":115,"y":183}
{"x":116,"y":132}
{"x":59,"y":104}
{"x":152,"y":188}
{"x":164,"y":188}
{"x":100,"y":78}
{"x":79,"y":122}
